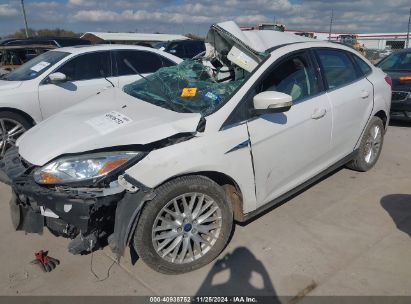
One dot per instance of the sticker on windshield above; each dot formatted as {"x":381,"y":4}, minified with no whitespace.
{"x":189,"y":92}
{"x":108,"y":122}
{"x":212,"y":96}
{"x":39,"y":66}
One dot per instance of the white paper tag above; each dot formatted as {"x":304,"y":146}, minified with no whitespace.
{"x":108,"y":122}
{"x":39,"y":66}
{"x":244,"y":58}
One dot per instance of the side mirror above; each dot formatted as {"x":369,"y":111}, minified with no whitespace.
{"x":272,"y":102}
{"x":57,"y":77}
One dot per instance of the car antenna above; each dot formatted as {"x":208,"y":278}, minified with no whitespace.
{"x":105,"y":77}
{"x":133,"y":68}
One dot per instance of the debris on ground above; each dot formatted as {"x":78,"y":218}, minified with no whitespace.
{"x":46,"y":262}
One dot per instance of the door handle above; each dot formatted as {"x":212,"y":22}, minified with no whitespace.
{"x":364,"y":94}
{"x":318,"y":113}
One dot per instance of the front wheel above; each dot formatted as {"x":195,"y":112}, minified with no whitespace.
{"x":12,"y":126}
{"x":185,"y":226}
{"x":370,"y":147}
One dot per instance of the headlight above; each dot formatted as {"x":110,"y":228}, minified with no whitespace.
{"x":81,"y":168}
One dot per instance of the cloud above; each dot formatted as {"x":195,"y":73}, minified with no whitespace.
{"x":196,"y":16}
{"x":44,"y":5}
{"x":96,"y":15}
{"x":87,"y":3}
{"x":251,"y":19}
{"x":140,"y":15}
{"x":6,"y":10}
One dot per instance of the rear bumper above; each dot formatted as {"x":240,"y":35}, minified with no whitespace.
{"x":401,"y":110}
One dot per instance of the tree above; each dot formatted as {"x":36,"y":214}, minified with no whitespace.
{"x":57,"y":32}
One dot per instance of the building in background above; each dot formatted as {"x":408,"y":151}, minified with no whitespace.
{"x":379,"y":41}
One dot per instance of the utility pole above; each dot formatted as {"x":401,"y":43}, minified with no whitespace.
{"x":331,"y":24}
{"x":408,"y":32}
{"x":25,"y":18}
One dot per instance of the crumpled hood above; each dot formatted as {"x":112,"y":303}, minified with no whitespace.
{"x":94,"y":124}
{"x":9,"y":85}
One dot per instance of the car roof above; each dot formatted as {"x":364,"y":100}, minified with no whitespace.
{"x":78,"y":49}
{"x":316,"y":44}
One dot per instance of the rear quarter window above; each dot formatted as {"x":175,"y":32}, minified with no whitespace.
{"x":364,"y":67}
{"x":142,"y":61}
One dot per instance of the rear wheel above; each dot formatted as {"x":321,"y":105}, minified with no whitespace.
{"x":370,"y":146}
{"x":185,"y":226}
{"x":12,"y":126}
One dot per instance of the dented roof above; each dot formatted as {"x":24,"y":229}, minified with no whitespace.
{"x":260,"y":40}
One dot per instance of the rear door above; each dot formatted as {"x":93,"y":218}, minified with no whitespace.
{"x":85,"y":77}
{"x":350,"y":95}
{"x":129,"y":62}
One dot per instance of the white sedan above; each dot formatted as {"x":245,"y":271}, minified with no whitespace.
{"x":63,"y":77}
{"x":167,"y":164}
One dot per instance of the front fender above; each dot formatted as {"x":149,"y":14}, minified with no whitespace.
{"x":126,"y":217}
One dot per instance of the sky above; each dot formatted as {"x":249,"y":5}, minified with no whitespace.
{"x":185,"y":16}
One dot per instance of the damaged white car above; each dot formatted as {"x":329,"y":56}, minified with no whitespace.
{"x":167,"y":164}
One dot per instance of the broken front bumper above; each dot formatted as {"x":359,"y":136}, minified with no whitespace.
{"x":65,"y":212}
{"x":92,"y":217}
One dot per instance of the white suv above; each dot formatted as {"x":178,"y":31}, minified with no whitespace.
{"x":169,"y":162}
{"x":63,"y":77}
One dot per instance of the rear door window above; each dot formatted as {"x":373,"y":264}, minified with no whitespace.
{"x":337,"y":67}
{"x":130,"y":61}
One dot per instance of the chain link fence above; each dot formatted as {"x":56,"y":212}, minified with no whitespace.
{"x":376,"y":49}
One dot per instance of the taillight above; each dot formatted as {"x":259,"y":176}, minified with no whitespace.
{"x":405,"y":78}
{"x":388,"y":80}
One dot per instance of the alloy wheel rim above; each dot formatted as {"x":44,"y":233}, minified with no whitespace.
{"x":186,"y":228}
{"x":10,"y":131}
{"x":373,"y":144}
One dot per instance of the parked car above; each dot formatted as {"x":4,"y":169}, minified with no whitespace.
{"x":63,"y":77}
{"x":398,"y":66}
{"x":55,"y":41}
{"x":185,"y":49}
{"x":3,"y":72}
{"x":167,"y":164}
{"x":12,"y":56}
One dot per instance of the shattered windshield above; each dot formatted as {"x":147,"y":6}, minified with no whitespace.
{"x":189,"y":87}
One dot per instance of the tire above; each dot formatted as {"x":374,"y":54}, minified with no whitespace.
{"x":370,"y":147}
{"x":9,"y":120}
{"x":147,"y":239}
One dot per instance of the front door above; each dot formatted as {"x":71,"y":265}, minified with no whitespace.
{"x":289,"y":148}
{"x":85,"y":78}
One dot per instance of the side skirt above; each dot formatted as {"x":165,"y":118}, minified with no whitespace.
{"x":249,"y":216}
